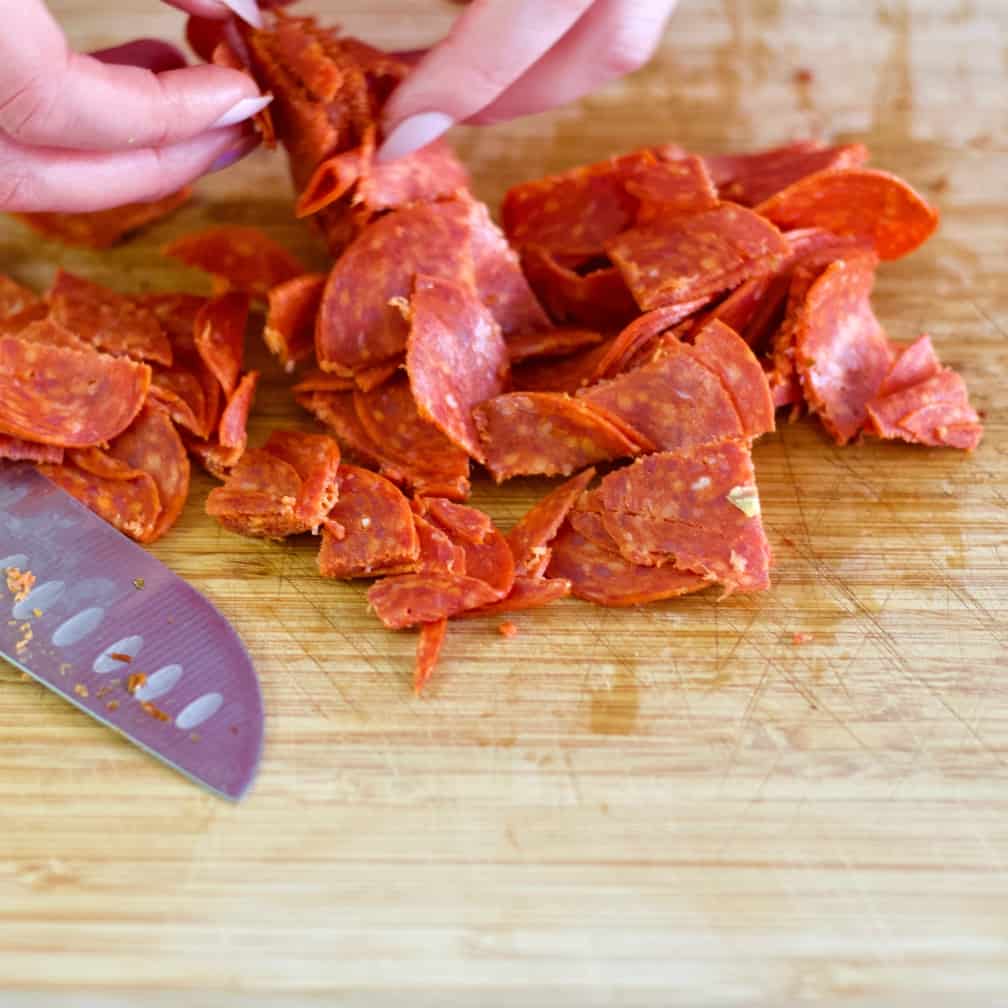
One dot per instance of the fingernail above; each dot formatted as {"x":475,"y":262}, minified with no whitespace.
{"x":413,"y":133}
{"x":234,"y":153}
{"x":243,"y":110}
{"x":247,"y":10}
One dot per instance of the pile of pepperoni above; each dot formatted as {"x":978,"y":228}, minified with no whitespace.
{"x":634,"y":327}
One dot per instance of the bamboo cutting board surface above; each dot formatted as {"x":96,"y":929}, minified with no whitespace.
{"x":671,"y":805}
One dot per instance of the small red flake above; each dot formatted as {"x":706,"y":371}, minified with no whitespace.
{"x":803,"y":75}
{"x":112,"y":705}
{"x":120,"y":656}
{"x":81,"y":690}
{"x":799,"y":637}
{"x":135,"y":681}
{"x":507,"y":629}
{"x":154,"y":712}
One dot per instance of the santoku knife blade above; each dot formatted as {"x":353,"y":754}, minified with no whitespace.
{"x":115,"y":632}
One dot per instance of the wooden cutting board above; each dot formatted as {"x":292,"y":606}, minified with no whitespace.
{"x":672,"y":805}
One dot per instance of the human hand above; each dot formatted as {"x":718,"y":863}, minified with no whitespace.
{"x":508,"y":58}
{"x":80,"y":133}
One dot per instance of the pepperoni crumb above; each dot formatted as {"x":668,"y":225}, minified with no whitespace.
{"x":507,"y":629}
{"x":799,"y":637}
{"x":803,"y":75}
{"x":112,"y":705}
{"x":19,"y":583}
{"x":135,"y":681}
{"x":81,"y":690}
{"x":154,"y":712}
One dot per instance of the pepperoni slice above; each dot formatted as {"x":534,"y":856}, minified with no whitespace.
{"x":323,"y":381}
{"x":551,"y":343}
{"x":500,"y":282}
{"x":542,"y":433}
{"x":455,"y":358}
{"x":336,"y":410}
{"x":237,"y":258}
{"x":126,"y":498}
{"x":870,"y":204}
{"x":602,"y":576}
{"x":574,"y":213}
{"x":106,"y":320}
{"x":924,"y":408}
{"x":464,"y":524}
{"x":634,"y":340}
{"x":424,"y":457}
{"x":18,"y":450}
{"x":316,"y":460}
{"x":376,"y":529}
{"x":672,"y":188}
{"x":220,"y":336}
{"x":152,"y":445}
{"x":181,"y":392}
{"x":63,"y":396}
{"x":292,"y":308}
{"x":177,"y":313}
{"x":915,"y":364}
{"x":530,"y":538}
{"x":104,"y":228}
{"x":697,"y":510}
{"x":751,"y":178}
{"x":673,"y":401}
{"x":527,"y":593}
{"x":259,"y":498}
{"x":429,"y":646}
{"x":360,"y":321}
{"x":410,"y":599}
{"x":722,"y":351}
{"x":568,"y":374}
{"x":597,"y":298}
{"x":841,"y":353}
{"x":685,"y":258}
{"x":219,"y":456}
{"x":438,"y":554}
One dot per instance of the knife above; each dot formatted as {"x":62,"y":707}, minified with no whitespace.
{"x":98,"y":620}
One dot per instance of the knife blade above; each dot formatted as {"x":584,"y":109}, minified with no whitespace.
{"x":101,"y":610}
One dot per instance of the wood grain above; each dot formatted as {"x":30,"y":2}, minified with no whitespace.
{"x":675,"y":805}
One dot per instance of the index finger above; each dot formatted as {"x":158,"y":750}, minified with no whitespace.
{"x":51,"y":97}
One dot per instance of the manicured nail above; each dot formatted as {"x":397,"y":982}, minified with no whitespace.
{"x":243,"y":110}
{"x":234,"y":153}
{"x":247,"y":10}
{"x":413,"y":133}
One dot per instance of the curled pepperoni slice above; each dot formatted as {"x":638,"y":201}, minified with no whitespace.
{"x":873,"y":205}
{"x":542,"y":433}
{"x":455,"y":358}
{"x":63,"y":396}
{"x":370,"y":528}
{"x":151,"y":444}
{"x":841,"y":353}
{"x":600,"y":575}
{"x":259,"y":497}
{"x":106,"y":320}
{"x":292,"y":308}
{"x":410,"y":599}
{"x":697,"y":510}
{"x":220,"y":337}
{"x":685,"y":258}
{"x":238,"y":258}
{"x":219,"y":455}
{"x":530,"y":538}
{"x":429,"y":646}
{"x":125,"y":497}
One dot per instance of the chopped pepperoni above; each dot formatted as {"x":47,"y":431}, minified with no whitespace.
{"x":456,"y":358}
{"x":238,"y":258}
{"x":685,"y":258}
{"x":410,"y":599}
{"x":220,"y":455}
{"x":151,"y":444}
{"x":220,"y":337}
{"x":750,"y":179}
{"x":259,"y":497}
{"x":601,"y":575}
{"x":530,"y":538}
{"x":857,"y":201}
{"x":429,"y":646}
{"x":672,"y":188}
{"x":841,"y":353}
{"x":465,"y":524}
{"x":292,"y":308}
{"x":316,"y":460}
{"x":182,"y":393}
{"x":376,"y":528}
{"x":542,"y":433}
{"x":18,"y":450}
{"x":551,"y":343}
{"x":106,"y":320}
{"x":697,"y":510}
{"x":125,"y":497}
{"x":63,"y":396}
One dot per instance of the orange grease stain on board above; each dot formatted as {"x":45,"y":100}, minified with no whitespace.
{"x":614,"y":710}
